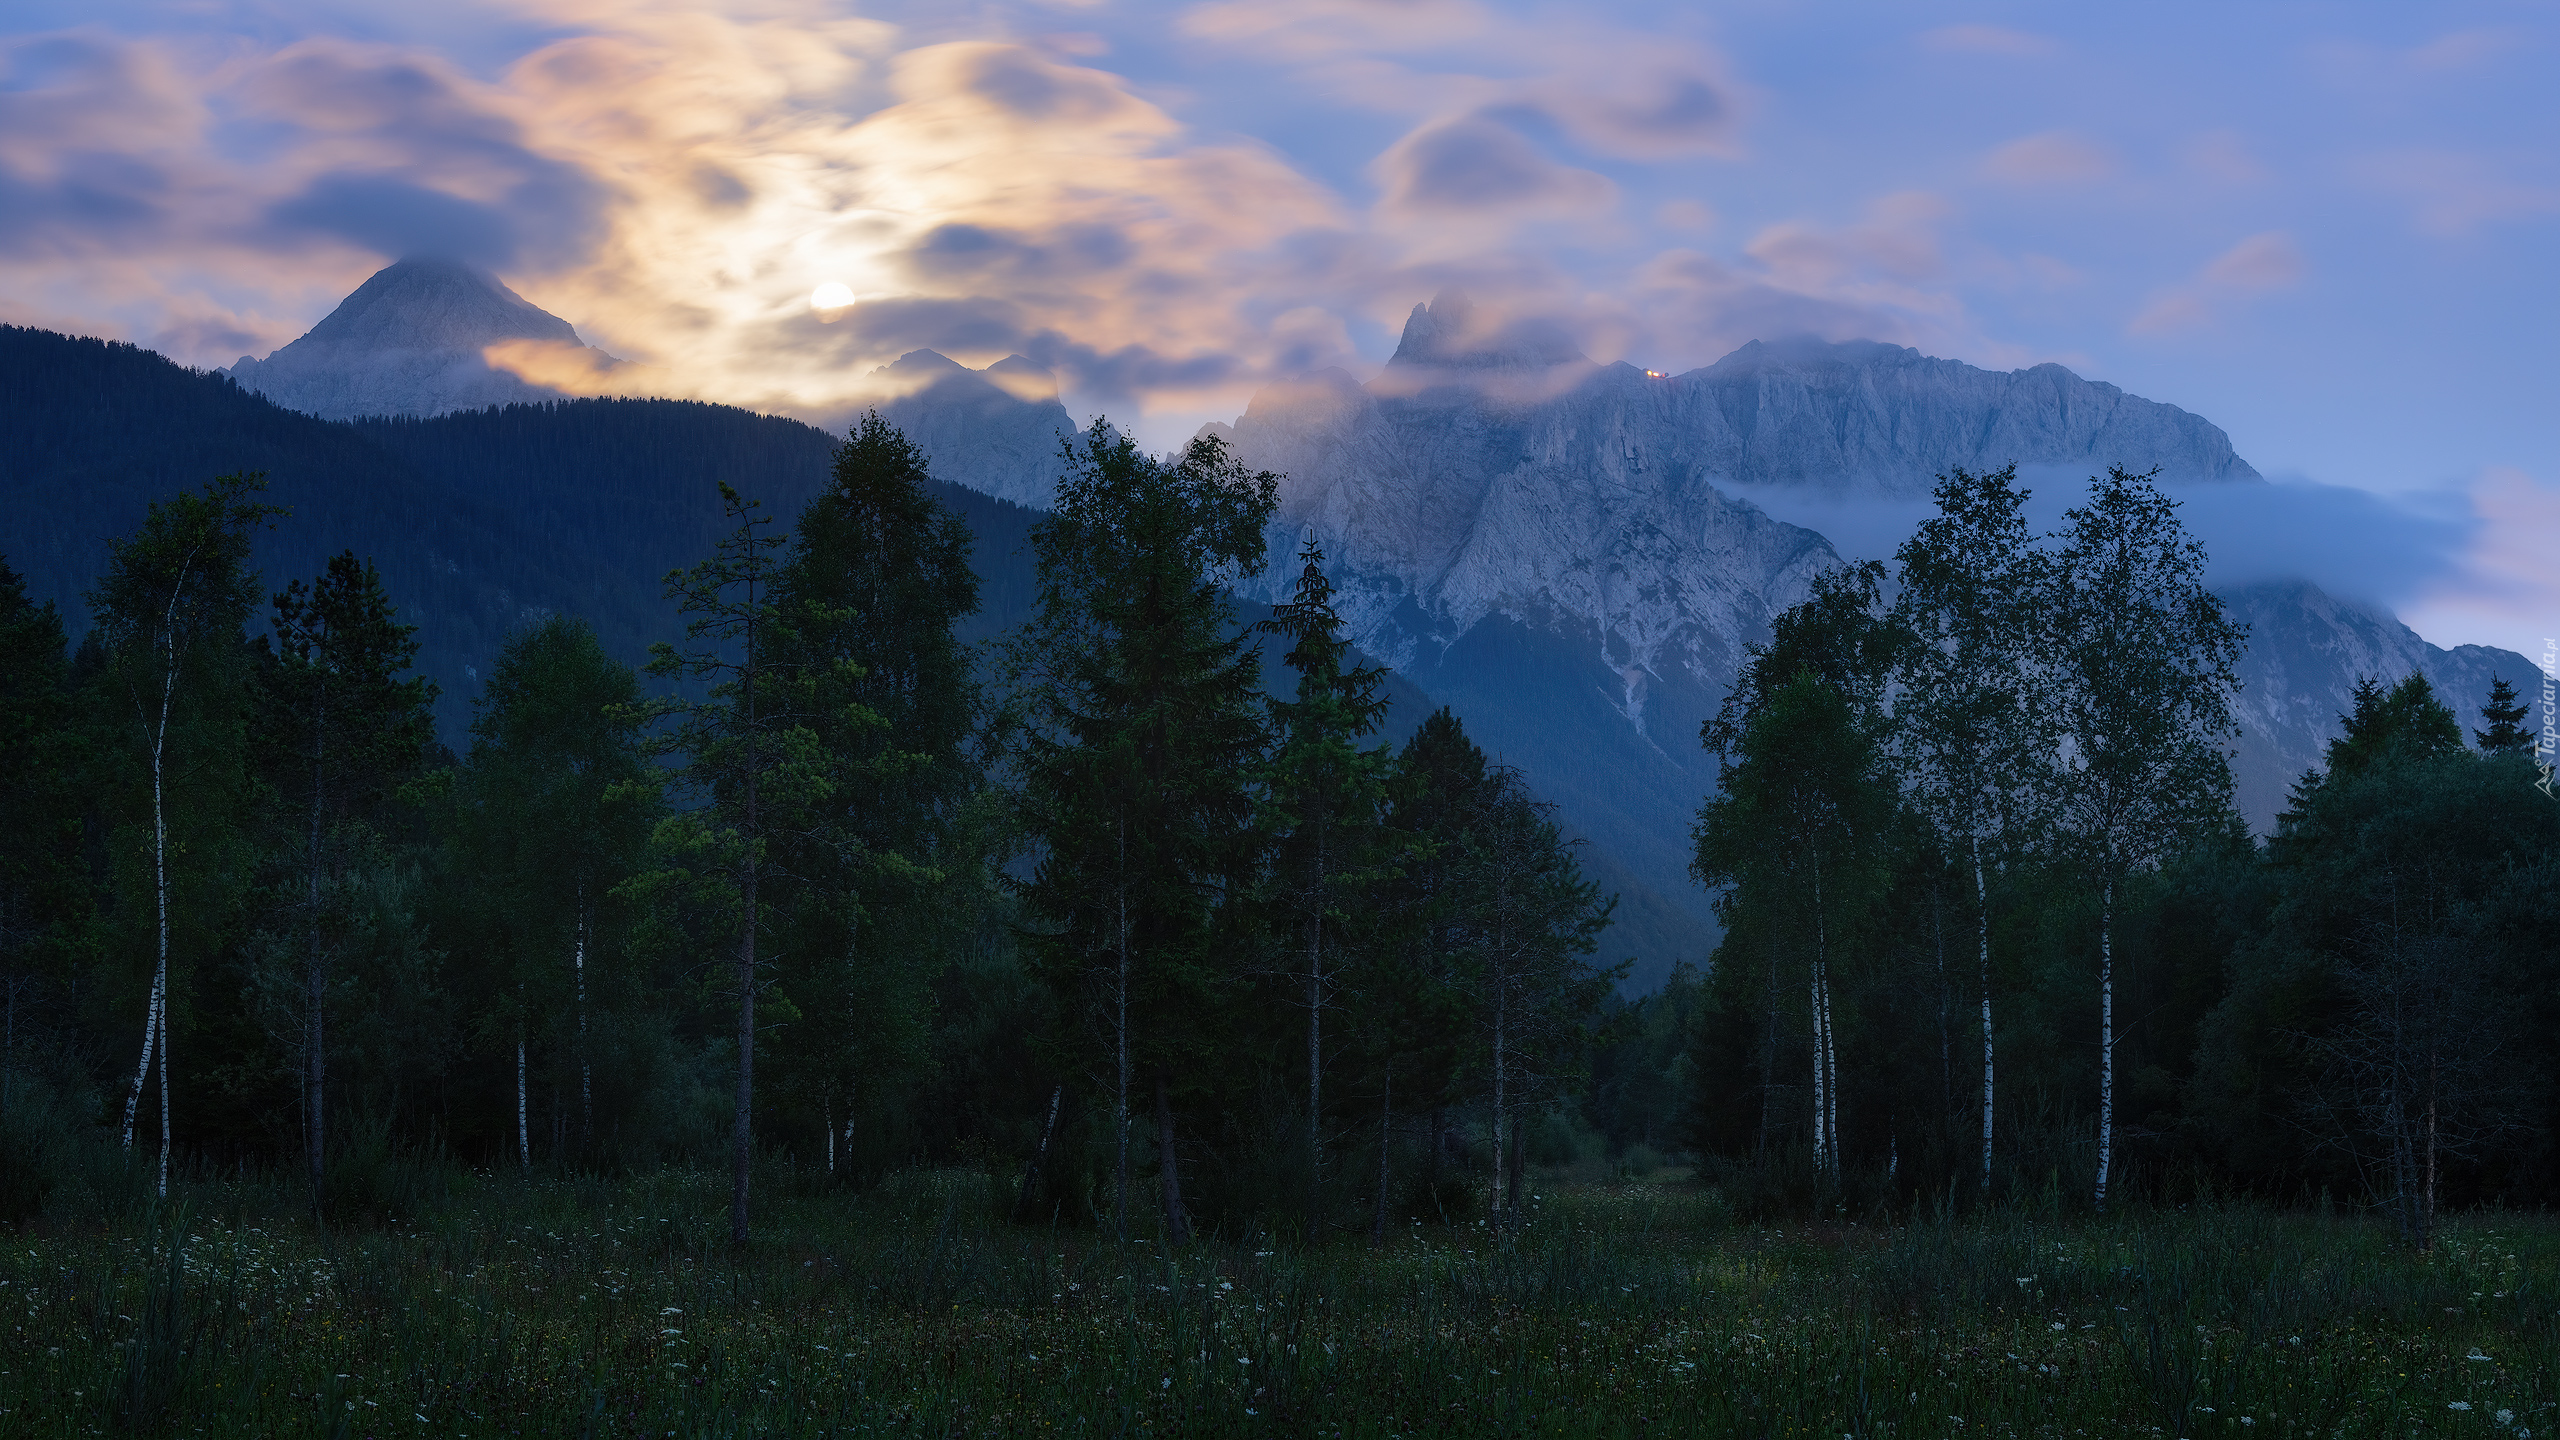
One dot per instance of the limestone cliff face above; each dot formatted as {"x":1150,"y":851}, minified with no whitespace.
{"x":410,"y":341}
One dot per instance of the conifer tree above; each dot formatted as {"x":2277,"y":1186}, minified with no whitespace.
{"x":42,"y":895}
{"x":2142,"y":669}
{"x":1418,"y":1012}
{"x":2503,"y":710}
{"x":1142,"y":728}
{"x":880,"y":875}
{"x":345,"y":730}
{"x":170,"y":607}
{"x":1324,"y":793}
{"x":749,"y":762}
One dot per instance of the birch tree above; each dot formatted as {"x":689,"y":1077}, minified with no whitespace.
{"x":171,"y":607}
{"x":554,"y":806}
{"x":2141,"y":660}
{"x":1801,"y":831}
{"x":1968,"y":717}
{"x":1142,"y":727}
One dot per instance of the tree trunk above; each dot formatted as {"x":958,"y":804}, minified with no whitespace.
{"x":586,"y":1057}
{"x":1032,"y":1173}
{"x":743,"y":1140}
{"x":1177,"y":1220}
{"x":1120,"y":1183}
{"x":155,"y":1027}
{"x":1315,"y":1071}
{"x":2106,"y":1036}
{"x":524,"y":1131}
{"x":1501,"y":1101}
{"x":314,"y":982}
{"x":1982,"y":914}
{"x":1386,"y":1130}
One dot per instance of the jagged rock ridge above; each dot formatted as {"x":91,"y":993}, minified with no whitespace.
{"x":412,"y":340}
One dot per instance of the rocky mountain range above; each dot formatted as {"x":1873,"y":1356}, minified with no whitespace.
{"x":1570,"y":555}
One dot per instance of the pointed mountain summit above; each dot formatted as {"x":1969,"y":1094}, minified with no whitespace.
{"x":1450,"y":333}
{"x":414,"y":340}
{"x":995,"y":430}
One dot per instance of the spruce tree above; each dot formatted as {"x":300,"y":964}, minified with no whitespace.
{"x":170,"y":609}
{"x":2503,"y":709}
{"x":1142,"y":728}
{"x":1324,"y":793}
{"x":342,"y":729}
{"x":43,"y":899}
{"x":876,"y":883}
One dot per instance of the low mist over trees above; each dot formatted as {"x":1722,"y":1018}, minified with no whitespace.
{"x":831,"y":889}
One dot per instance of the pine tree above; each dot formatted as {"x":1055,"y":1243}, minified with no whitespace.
{"x":2503,"y":710}
{"x":1142,"y":729}
{"x":1324,"y":793}
{"x":2142,"y":668}
{"x":171,"y":607}
{"x":344,"y":731}
{"x":1973,"y":606}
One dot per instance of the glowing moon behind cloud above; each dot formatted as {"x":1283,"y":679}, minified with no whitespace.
{"x":831,"y":300}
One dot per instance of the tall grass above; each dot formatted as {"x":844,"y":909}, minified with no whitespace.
{"x":505,"y":1306}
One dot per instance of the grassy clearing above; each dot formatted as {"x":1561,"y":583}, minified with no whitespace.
{"x":577,"y":1308}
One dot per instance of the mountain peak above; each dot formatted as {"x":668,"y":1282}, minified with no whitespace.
{"x":1451,"y":333}
{"x":414,"y":339}
{"x":427,"y":304}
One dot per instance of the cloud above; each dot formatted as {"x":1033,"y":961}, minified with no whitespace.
{"x":1476,"y":167}
{"x":2450,"y":194}
{"x":2255,"y":266}
{"x":2506,"y":592}
{"x":1988,"y":40}
{"x":2056,"y":157}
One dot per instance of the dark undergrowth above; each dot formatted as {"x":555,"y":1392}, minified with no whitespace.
{"x":493,"y":1306}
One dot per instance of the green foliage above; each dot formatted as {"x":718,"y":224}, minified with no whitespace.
{"x":1140,"y":732}
{"x":2502,"y":710}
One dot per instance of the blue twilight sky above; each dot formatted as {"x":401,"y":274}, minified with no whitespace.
{"x":2327,"y":228}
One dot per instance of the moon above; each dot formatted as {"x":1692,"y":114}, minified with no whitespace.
{"x":831,"y":300}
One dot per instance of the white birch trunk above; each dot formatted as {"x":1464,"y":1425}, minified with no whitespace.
{"x":2106,"y":1036}
{"x":1982,"y":915}
{"x":524,"y":1136}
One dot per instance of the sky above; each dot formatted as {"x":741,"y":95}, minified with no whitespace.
{"x":2329,"y":228}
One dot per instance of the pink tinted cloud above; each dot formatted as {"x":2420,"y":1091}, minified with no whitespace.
{"x":2255,"y":266}
{"x":2057,"y":157}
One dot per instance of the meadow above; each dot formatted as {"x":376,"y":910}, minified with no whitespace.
{"x":507,"y":1306}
